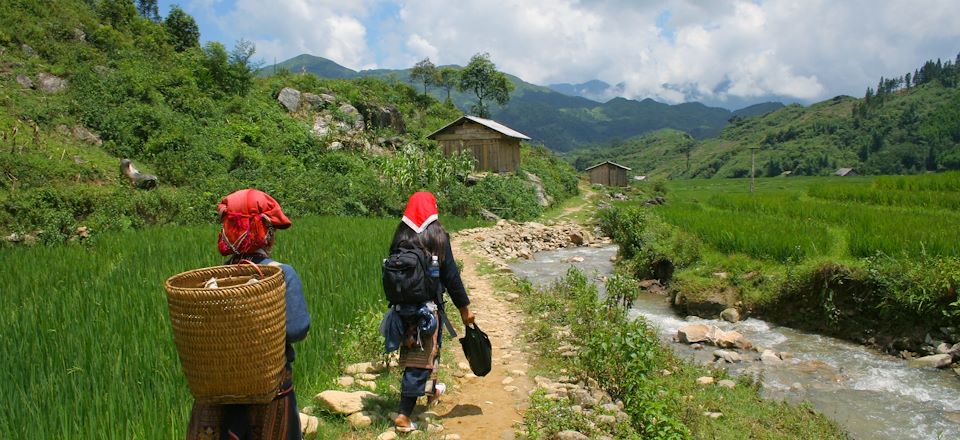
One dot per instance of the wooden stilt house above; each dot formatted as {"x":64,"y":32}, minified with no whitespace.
{"x":495,"y":146}
{"x":608,"y":173}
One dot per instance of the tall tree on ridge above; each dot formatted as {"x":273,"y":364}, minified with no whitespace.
{"x":149,"y":10}
{"x":447,"y":79}
{"x":182,"y":28}
{"x":424,"y":71}
{"x":482,"y":78}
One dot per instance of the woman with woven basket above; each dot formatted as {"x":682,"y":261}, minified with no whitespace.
{"x":250,"y":218}
{"x":421,"y":227}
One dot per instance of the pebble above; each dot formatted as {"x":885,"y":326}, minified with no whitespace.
{"x":705,"y":380}
{"x":518,"y":372}
{"x":389,"y":435}
{"x":507,"y":381}
{"x":510,"y":388}
{"x":712,"y":415}
{"x":727,"y":383}
{"x":345,"y":381}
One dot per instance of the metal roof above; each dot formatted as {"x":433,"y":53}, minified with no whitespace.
{"x":611,"y":163}
{"x":489,"y":123}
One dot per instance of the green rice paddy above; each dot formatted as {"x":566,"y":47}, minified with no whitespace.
{"x":87,"y":346}
{"x":795,"y":218}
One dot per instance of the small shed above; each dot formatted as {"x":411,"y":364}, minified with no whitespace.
{"x":608,"y":173}
{"x":845,"y":172}
{"x":495,"y":146}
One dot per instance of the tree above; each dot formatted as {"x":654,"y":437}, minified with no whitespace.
{"x":686,"y":146}
{"x":424,"y":71}
{"x":182,"y":28}
{"x":148,"y":9}
{"x":119,"y":13}
{"x":447,"y":79}
{"x":230,"y":74}
{"x":482,"y":78}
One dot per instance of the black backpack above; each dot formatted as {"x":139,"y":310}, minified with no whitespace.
{"x":406,"y":278}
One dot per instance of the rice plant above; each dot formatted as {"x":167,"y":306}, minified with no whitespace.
{"x":87,"y":346}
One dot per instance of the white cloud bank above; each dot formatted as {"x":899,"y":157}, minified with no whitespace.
{"x":710,"y":51}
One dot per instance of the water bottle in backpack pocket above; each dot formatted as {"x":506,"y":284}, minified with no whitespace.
{"x":407,"y":276}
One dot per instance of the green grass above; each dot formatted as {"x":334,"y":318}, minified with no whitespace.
{"x":87,"y":346}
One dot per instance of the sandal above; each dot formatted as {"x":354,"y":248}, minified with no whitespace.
{"x":409,"y":428}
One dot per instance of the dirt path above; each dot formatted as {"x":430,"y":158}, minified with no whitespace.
{"x":489,"y":407}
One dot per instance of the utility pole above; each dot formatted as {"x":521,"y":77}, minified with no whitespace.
{"x":753,"y":166}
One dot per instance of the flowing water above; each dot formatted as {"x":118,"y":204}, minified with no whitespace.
{"x":872,"y":395}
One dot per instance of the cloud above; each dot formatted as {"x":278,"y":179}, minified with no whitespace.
{"x":281,"y":30}
{"x":673,"y":50}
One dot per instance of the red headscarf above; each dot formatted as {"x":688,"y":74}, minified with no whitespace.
{"x":244,"y":229}
{"x":421,"y":211}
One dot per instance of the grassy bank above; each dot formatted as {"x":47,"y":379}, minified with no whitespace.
{"x":868,"y":259}
{"x":88,"y":351}
{"x":658,"y":390}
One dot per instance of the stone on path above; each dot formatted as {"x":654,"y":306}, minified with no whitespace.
{"x":388,"y":435}
{"x":345,"y":381}
{"x":569,"y":435}
{"x":342,"y":402}
{"x":363,"y":367}
{"x":361,"y":419}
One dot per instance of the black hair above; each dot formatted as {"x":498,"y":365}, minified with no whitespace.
{"x":432,"y":240}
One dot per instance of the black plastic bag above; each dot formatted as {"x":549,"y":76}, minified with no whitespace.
{"x":476,"y":347}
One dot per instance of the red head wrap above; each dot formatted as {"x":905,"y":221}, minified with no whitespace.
{"x":244,"y":229}
{"x":421,"y":211}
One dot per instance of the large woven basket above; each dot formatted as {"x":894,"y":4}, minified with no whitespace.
{"x":230,"y":339}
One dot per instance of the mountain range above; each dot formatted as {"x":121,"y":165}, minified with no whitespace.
{"x":562,"y":116}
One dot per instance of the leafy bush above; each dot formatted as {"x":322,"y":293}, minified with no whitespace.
{"x":509,"y":196}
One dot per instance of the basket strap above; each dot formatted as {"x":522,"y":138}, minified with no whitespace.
{"x":255,"y":266}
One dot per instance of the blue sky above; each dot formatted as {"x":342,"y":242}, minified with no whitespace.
{"x":728,"y":53}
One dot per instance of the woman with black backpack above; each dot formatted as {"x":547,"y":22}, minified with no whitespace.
{"x":419,"y":321}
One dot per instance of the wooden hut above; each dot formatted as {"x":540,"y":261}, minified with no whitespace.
{"x":845,"y":172}
{"x":608,"y":173}
{"x":495,"y":146}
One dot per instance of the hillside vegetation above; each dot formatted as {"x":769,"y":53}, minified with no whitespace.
{"x":199,"y":119}
{"x":869,"y":259}
{"x":560,"y":121}
{"x":903,"y":128}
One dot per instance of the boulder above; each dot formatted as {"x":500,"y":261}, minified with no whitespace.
{"x":932,"y":361}
{"x":383,"y":116}
{"x":48,"y":83}
{"x":82,"y":134}
{"x":27,"y":50}
{"x":290,"y":98}
{"x":693,"y":333}
{"x":345,"y":381}
{"x":542,"y":198}
{"x":315,"y":102}
{"x":387,"y":435}
{"x":729,"y":357}
{"x":770,"y":358}
{"x":730,"y":339}
{"x":342,"y":402}
{"x":25,"y":81}
{"x":354,"y":114}
{"x":138,"y":179}
{"x":730,"y":315}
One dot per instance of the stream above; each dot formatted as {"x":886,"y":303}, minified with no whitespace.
{"x":870,"y":394}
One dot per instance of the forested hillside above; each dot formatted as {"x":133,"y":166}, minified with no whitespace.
{"x":560,"y":121}
{"x":906,"y":125}
{"x":88,"y":83}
